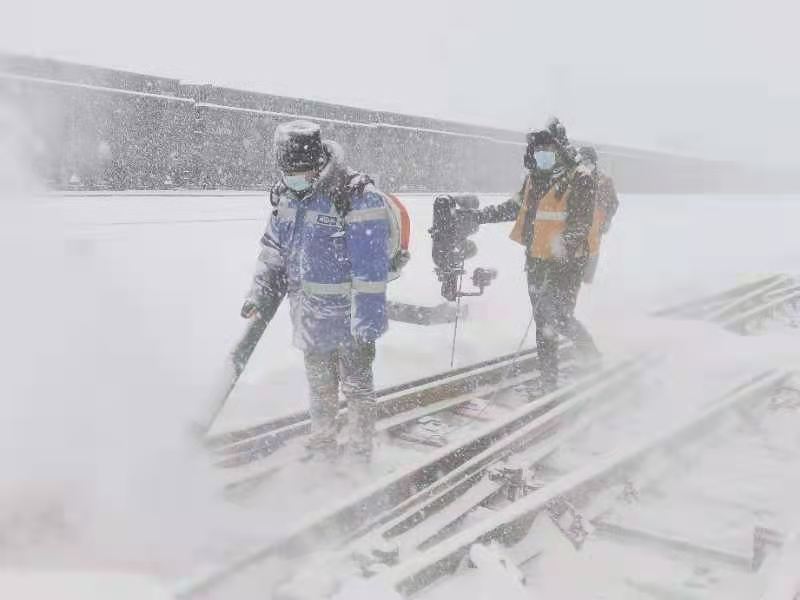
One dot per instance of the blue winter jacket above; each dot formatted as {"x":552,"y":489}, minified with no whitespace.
{"x":333,"y":267}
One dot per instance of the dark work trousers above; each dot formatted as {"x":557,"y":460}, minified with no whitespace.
{"x":348,"y":367}
{"x":553,"y":288}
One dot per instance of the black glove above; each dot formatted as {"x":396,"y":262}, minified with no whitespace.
{"x":568,"y":251}
{"x":263,"y":307}
{"x":265,"y":296}
{"x":249,"y":309}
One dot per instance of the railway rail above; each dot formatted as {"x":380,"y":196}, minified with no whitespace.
{"x":580,"y":500}
{"x":743,"y":308}
{"x":457,"y":441}
{"x":507,"y":419}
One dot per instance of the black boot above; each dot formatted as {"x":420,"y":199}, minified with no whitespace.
{"x":547,"y":350}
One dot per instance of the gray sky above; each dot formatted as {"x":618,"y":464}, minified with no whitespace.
{"x":707,"y":77}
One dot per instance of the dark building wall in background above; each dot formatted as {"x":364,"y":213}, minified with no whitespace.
{"x":94,"y":128}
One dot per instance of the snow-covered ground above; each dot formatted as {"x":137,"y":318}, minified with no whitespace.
{"x":122,"y":308}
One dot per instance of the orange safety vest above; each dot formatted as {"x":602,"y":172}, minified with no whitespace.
{"x":548,"y":226}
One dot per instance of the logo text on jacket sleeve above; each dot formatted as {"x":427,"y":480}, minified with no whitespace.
{"x":327,"y":220}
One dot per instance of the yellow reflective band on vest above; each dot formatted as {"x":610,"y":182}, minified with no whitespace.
{"x":542,"y":215}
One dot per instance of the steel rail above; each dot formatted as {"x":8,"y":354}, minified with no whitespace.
{"x":399,"y":403}
{"x":337,"y":522}
{"x":695,"y":304}
{"x":419,"y":571}
{"x":404,"y":394}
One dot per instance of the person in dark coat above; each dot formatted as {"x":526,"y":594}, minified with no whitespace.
{"x":553,"y":214}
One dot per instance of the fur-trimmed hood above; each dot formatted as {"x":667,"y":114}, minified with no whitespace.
{"x":334,"y":175}
{"x":337,"y":179}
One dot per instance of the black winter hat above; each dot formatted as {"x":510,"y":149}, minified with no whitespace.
{"x":298,"y":146}
{"x":537,"y":139}
{"x":540,"y":138}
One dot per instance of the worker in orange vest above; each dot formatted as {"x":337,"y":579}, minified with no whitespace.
{"x":605,"y":207}
{"x":553,"y":214}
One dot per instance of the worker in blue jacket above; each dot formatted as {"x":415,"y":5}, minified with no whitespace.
{"x":326,"y":247}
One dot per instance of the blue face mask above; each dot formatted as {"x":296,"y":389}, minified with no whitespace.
{"x":297,"y":183}
{"x":545,"y":159}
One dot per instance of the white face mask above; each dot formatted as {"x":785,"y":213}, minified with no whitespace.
{"x":298,"y":183}
{"x":545,"y":159}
